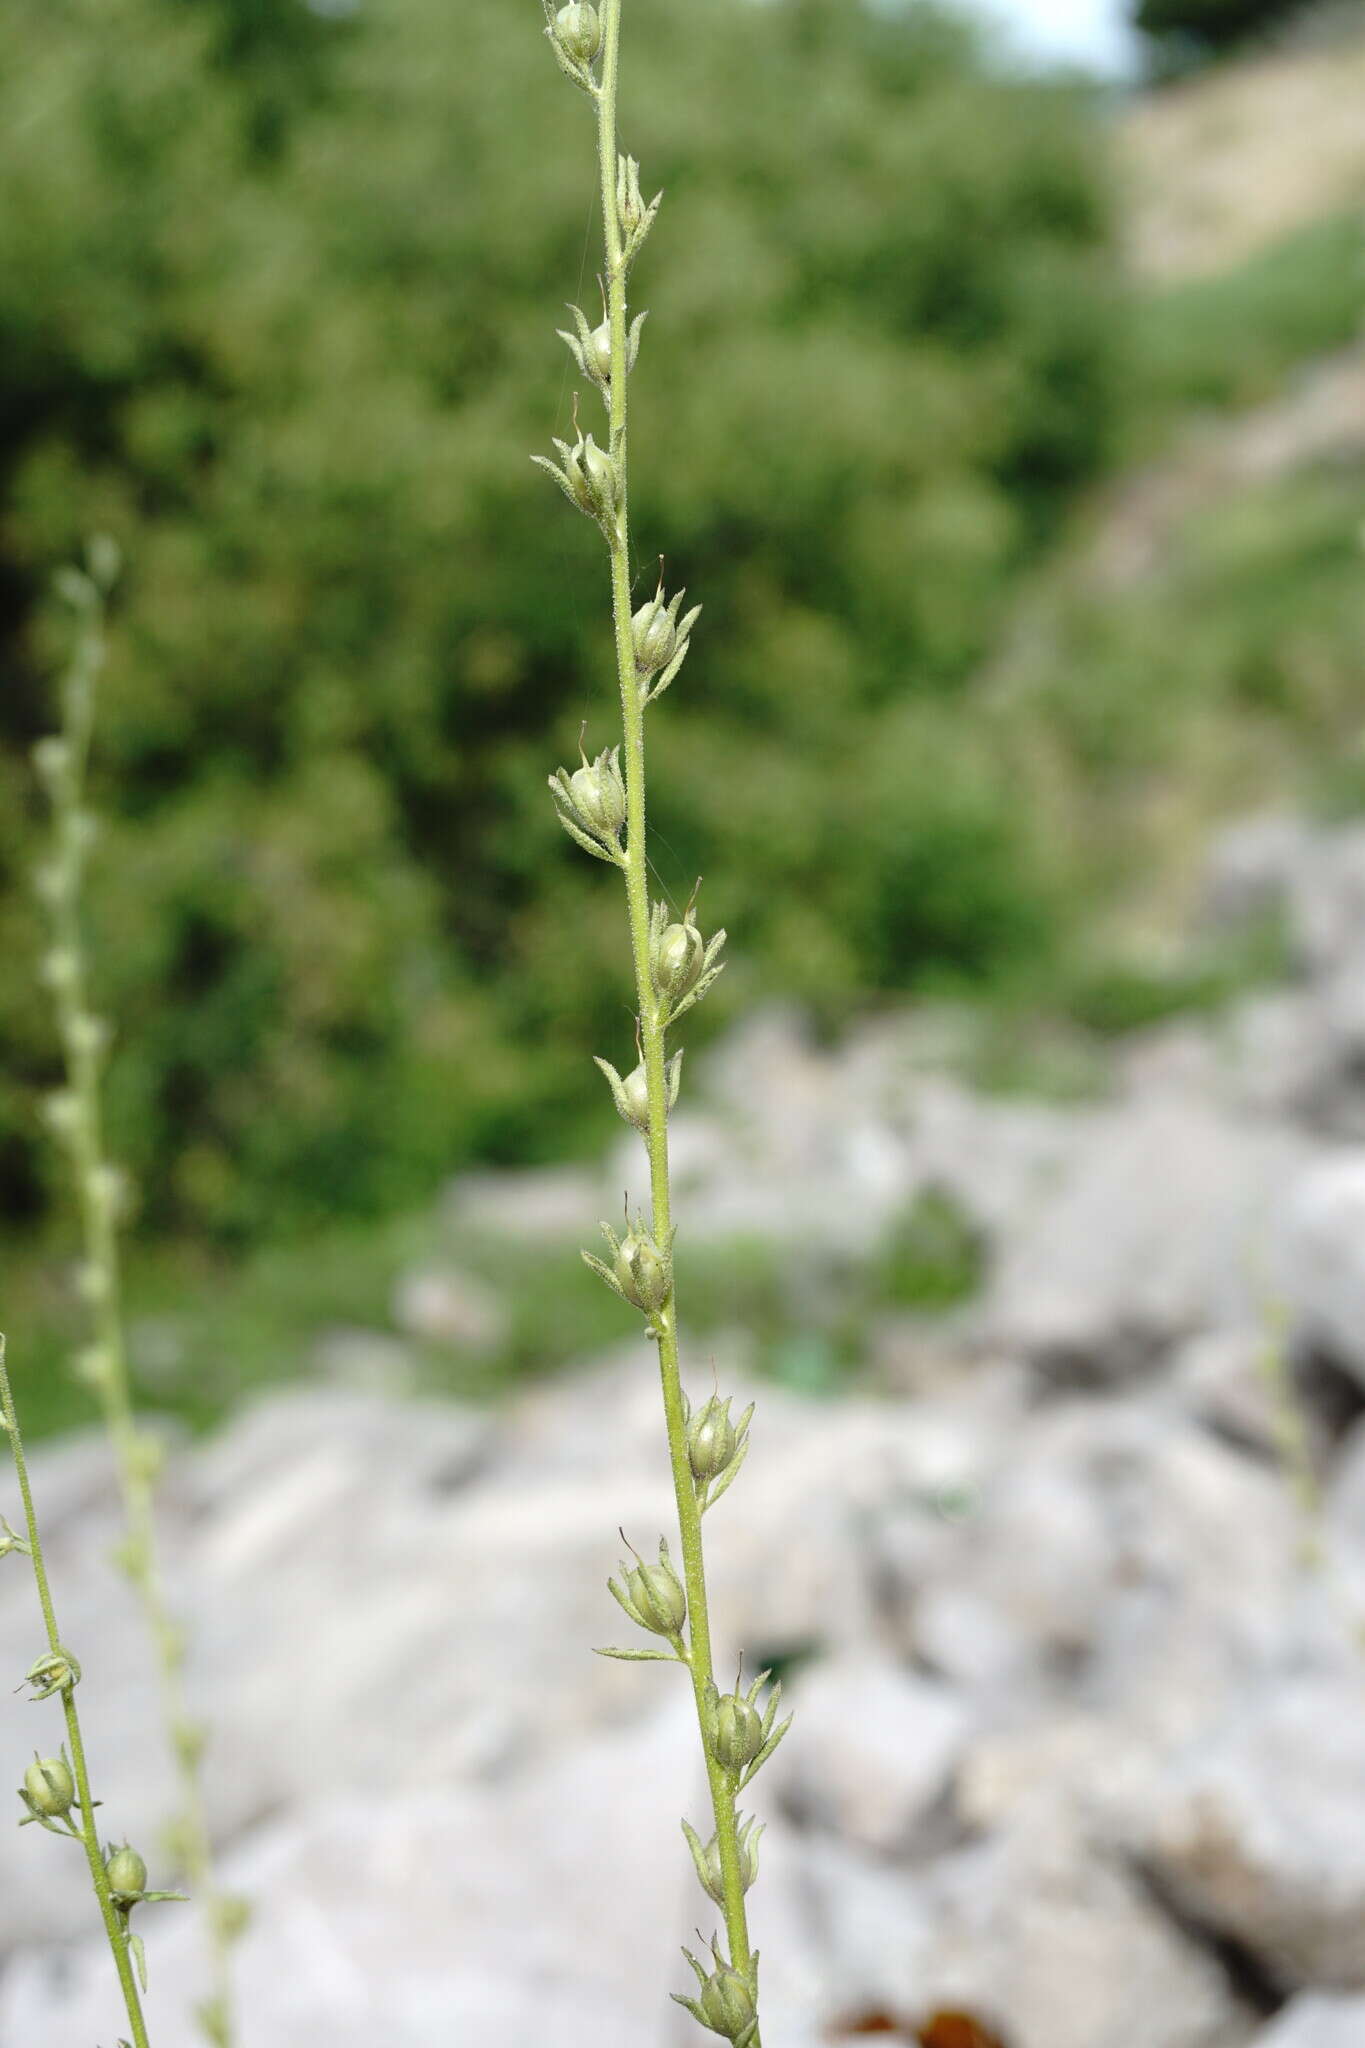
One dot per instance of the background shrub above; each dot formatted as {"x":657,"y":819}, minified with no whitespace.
{"x":272,"y":289}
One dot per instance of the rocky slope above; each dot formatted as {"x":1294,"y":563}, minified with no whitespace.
{"x":1220,"y":165}
{"x":1070,"y":1599}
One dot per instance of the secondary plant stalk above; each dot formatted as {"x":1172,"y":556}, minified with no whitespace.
{"x":77,"y":1118}
{"x":115,"y":1923}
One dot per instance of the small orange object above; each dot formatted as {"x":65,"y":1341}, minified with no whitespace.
{"x":956,"y":2030}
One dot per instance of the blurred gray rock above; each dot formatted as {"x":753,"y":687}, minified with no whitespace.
{"x":1327,"y":899}
{"x":1154,"y":1231}
{"x":445,"y":1913}
{"x":1258,"y":1828}
{"x":1062,"y":1947}
{"x":542,"y":1203}
{"x":1077,"y":1696}
{"x":871,"y":1751}
{"x":1316,"y":2020}
{"x":1035,"y":1934}
{"x":365,"y":1362}
{"x":1340,"y":1528}
{"x":441,"y":1305}
{"x":1114,"y":1552}
{"x":1324,"y":1259}
{"x":1253,"y":869}
{"x":1223,"y":1378}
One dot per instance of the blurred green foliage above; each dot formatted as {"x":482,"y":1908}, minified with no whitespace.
{"x":1220,"y":675}
{"x":1230,"y":340}
{"x":932,"y":1257}
{"x":1187,"y":31}
{"x":277,"y":298}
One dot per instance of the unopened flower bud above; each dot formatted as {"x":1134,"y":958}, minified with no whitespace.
{"x":93,"y":1282}
{"x":106,"y":1188}
{"x":232,"y":1916}
{"x":55,"y":1671}
{"x":706,"y":1859}
{"x":635,"y":216}
{"x":52,"y":759}
{"x":642,"y":1271}
{"x":59,"y":968}
{"x":146,"y":1456}
{"x":630,"y":206}
{"x":49,"y":1788}
{"x":51,"y":882}
{"x":62,"y":1112}
{"x":93,"y":1367}
{"x":578,"y":32}
{"x":89,"y":1035}
{"x":82,"y":830}
{"x":75,"y":587}
{"x":127,"y":1875}
{"x":104,"y":559}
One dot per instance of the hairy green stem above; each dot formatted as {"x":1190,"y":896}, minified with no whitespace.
{"x":135,"y":1455}
{"x":113,"y":1921}
{"x":652,"y":1033}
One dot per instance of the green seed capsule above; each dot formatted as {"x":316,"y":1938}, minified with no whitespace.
{"x":711,"y":1440}
{"x":599,"y":794}
{"x":678,"y":961}
{"x":578,"y":32}
{"x":579,"y":488}
{"x":600,"y":478}
{"x":49,"y":1787}
{"x":655,"y":633}
{"x":642,"y":1272}
{"x":735,"y":1732}
{"x":635,"y":1089}
{"x":727,"y":2003}
{"x":127,"y":1875}
{"x":658,"y":1597}
{"x":597,"y":350}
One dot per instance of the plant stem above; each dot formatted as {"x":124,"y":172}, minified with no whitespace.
{"x":113,"y":1923}
{"x":135,"y":1456}
{"x":665,"y":1323}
